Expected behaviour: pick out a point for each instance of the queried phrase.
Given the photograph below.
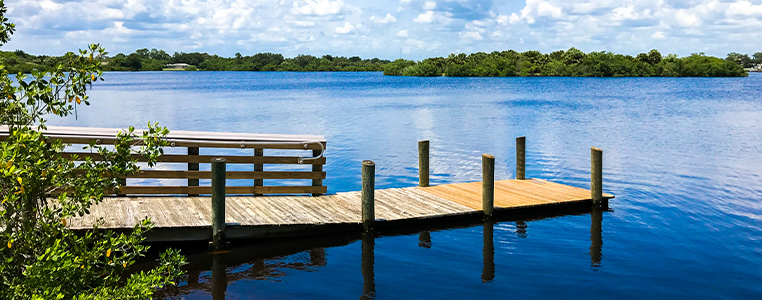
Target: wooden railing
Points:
(194, 141)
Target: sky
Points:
(411, 29)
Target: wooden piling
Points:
(192, 167)
(596, 175)
(423, 163)
(218, 203)
(520, 158)
(488, 184)
(368, 194)
(317, 168)
(259, 168)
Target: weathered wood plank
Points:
(157, 190)
(205, 159)
(270, 216)
(228, 175)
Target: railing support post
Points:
(218, 203)
(423, 163)
(317, 168)
(122, 182)
(192, 167)
(258, 168)
(521, 158)
(368, 195)
(488, 184)
(596, 176)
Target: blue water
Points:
(682, 155)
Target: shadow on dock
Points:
(265, 259)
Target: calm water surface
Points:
(682, 155)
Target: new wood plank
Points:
(512, 193)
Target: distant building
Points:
(177, 66)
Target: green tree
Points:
(41, 257)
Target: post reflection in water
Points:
(596, 240)
(317, 257)
(424, 239)
(219, 277)
(367, 265)
(488, 253)
(521, 229)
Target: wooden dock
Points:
(260, 210)
(248, 217)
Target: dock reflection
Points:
(596, 238)
(488, 252)
(219, 277)
(424, 239)
(273, 259)
(367, 265)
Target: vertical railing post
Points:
(423, 163)
(122, 183)
(521, 158)
(596, 175)
(192, 151)
(258, 168)
(368, 195)
(316, 168)
(218, 203)
(488, 184)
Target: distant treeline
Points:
(572, 62)
(156, 60)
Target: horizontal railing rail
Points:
(194, 141)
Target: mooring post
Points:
(488, 184)
(368, 194)
(218, 203)
(423, 163)
(192, 167)
(317, 168)
(596, 175)
(521, 158)
(258, 168)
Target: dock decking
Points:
(190, 218)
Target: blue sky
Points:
(417, 29)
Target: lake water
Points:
(682, 155)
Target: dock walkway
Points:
(190, 218)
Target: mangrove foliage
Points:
(572, 62)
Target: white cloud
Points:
(304, 23)
(344, 30)
(318, 7)
(426, 17)
(473, 35)
(503, 19)
(50, 5)
(318, 27)
(388, 19)
(744, 8)
(537, 8)
(687, 19)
